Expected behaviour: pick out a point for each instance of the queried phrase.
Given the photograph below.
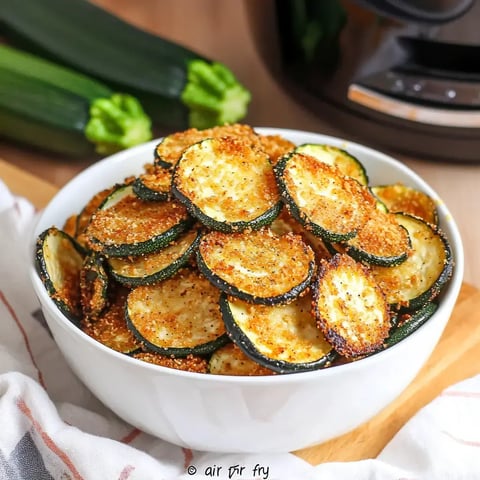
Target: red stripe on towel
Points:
(12, 312)
(48, 441)
(188, 454)
(130, 437)
(126, 472)
(470, 443)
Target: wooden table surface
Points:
(220, 30)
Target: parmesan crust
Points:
(227, 180)
(180, 312)
(350, 308)
(230, 360)
(190, 363)
(143, 268)
(400, 198)
(260, 264)
(282, 332)
(426, 262)
(133, 220)
(171, 147)
(110, 329)
(325, 198)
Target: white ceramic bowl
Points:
(244, 414)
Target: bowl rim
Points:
(449, 296)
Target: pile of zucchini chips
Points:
(238, 253)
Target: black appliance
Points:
(397, 73)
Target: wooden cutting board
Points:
(456, 357)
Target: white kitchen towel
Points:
(51, 427)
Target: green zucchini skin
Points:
(53, 271)
(417, 319)
(161, 274)
(415, 301)
(347, 163)
(153, 244)
(89, 39)
(57, 124)
(145, 193)
(337, 233)
(265, 219)
(94, 286)
(51, 107)
(165, 332)
(238, 336)
(226, 287)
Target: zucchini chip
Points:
(285, 223)
(126, 225)
(153, 185)
(428, 267)
(276, 146)
(346, 163)
(157, 266)
(94, 284)
(70, 225)
(190, 363)
(402, 199)
(110, 328)
(59, 260)
(85, 215)
(381, 241)
(283, 338)
(179, 316)
(350, 308)
(409, 323)
(330, 204)
(230, 360)
(169, 150)
(257, 266)
(227, 185)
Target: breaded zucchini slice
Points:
(58, 261)
(156, 266)
(257, 266)
(398, 197)
(85, 215)
(283, 338)
(190, 363)
(420, 278)
(126, 225)
(410, 322)
(381, 241)
(350, 308)
(346, 163)
(285, 223)
(153, 185)
(94, 286)
(227, 184)
(110, 328)
(326, 202)
(179, 316)
(170, 148)
(276, 146)
(230, 360)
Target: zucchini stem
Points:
(213, 95)
(117, 123)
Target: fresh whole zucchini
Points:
(177, 86)
(51, 107)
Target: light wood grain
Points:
(454, 359)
